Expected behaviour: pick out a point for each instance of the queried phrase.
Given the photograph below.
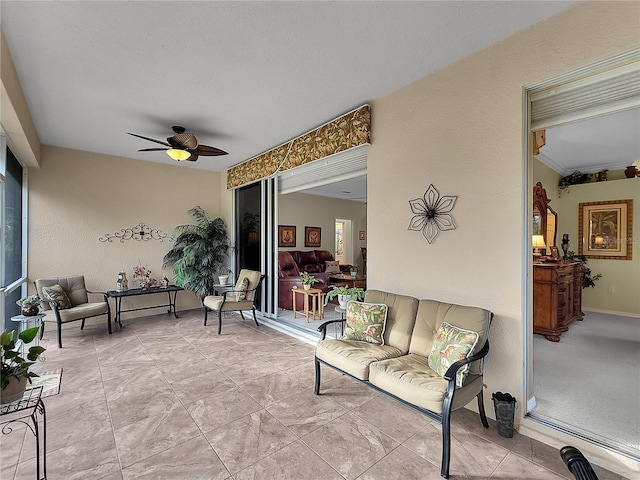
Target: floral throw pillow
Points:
(332, 266)
(366, 322)
(241, 288)
(450, 345)
(57, 293)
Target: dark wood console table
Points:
(348, 280)
(135, 292)
(557, 297)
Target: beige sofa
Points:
(400, 368)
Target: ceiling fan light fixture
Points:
(178, 155)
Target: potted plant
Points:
(199, 254)
(344, 294)
(307, 280)
(15, 368)
(30, 305)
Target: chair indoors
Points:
(65, 299)
(243, 297)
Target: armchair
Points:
(70, 304)
(242, 297)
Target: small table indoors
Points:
(135, 292)
(316, 296)
(28, 322)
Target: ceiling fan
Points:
(182, 146)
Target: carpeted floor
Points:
(590, 380)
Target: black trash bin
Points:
(505, 407)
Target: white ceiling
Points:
(242, 76)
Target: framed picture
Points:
(605, 229)
(286, 235)
(311, 236)
(555, 254)
(361, 235)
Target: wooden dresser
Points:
(557, 297)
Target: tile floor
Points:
(170, 399)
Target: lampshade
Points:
(537, 241)
(178, 154)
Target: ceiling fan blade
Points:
(192, 158)
(153, 149)
(150, 139)
(207, 150)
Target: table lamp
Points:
(537, 241)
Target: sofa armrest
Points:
(323, 327)
(450, 374)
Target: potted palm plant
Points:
(15, 368)
(307, 280)
(200, 253)
(344, 294)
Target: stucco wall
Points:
(461, 129)
(77, 197)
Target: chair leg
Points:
(206, 310)
(41, 330)
(82, 324)
(59, 335)
(254, 318)
(220, 321)
(446, 434)
(483, 416)
(243, 319)
(316, 388)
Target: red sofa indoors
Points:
(292, 263)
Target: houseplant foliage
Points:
(307, 280)
(200, 253)
(344, 291)
(14, 366)
(588, 280)
(30, 305)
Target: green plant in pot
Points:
(344, 294)
(15, 368)
(30, 305)
(200, 253)
(307, 280)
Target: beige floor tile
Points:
(540, 454)
(221, 408)
(470, 421)
(304, 412)
(392, 417)
(515, 466)
(193, 459)
(294, 462)
(274, 387)
(350, 445)
(203, 385)
(403, 464)
(306, 374)
(11, 445)
(249, 439)
(146, 402)
(287, 358)
(153, 435)
(347, 392)
(231, 354)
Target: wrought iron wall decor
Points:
(140, 233)
(431, 213)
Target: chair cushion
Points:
(401, 317)
(85, 310)
(214, 302)
(450, 345)
(352, 356)
(241, 289)
(366, 322)
(57, 293)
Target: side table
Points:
(26, 411)
(28, 322)
(317, 303)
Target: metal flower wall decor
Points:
(431, 213)
(140, 233)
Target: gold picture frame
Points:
(605, 229)
(312, 236)
(286, 236)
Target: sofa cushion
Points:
(57, 293)
(352, 356)
(409, 377)
(432, 313)
(287, 266)
(365, 322)
(450, 345)
(401, 316)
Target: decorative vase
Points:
(223, 279)
(30, 311)
(631, 171)
(14, 391)
(343, 300)
(305, 286)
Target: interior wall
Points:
(76, 198)
(462, 130)
(301, 209)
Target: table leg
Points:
(172, 305)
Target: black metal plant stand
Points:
(26, 411)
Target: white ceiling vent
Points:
(340, 166)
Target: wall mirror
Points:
(545, 219)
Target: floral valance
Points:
(348, 131)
